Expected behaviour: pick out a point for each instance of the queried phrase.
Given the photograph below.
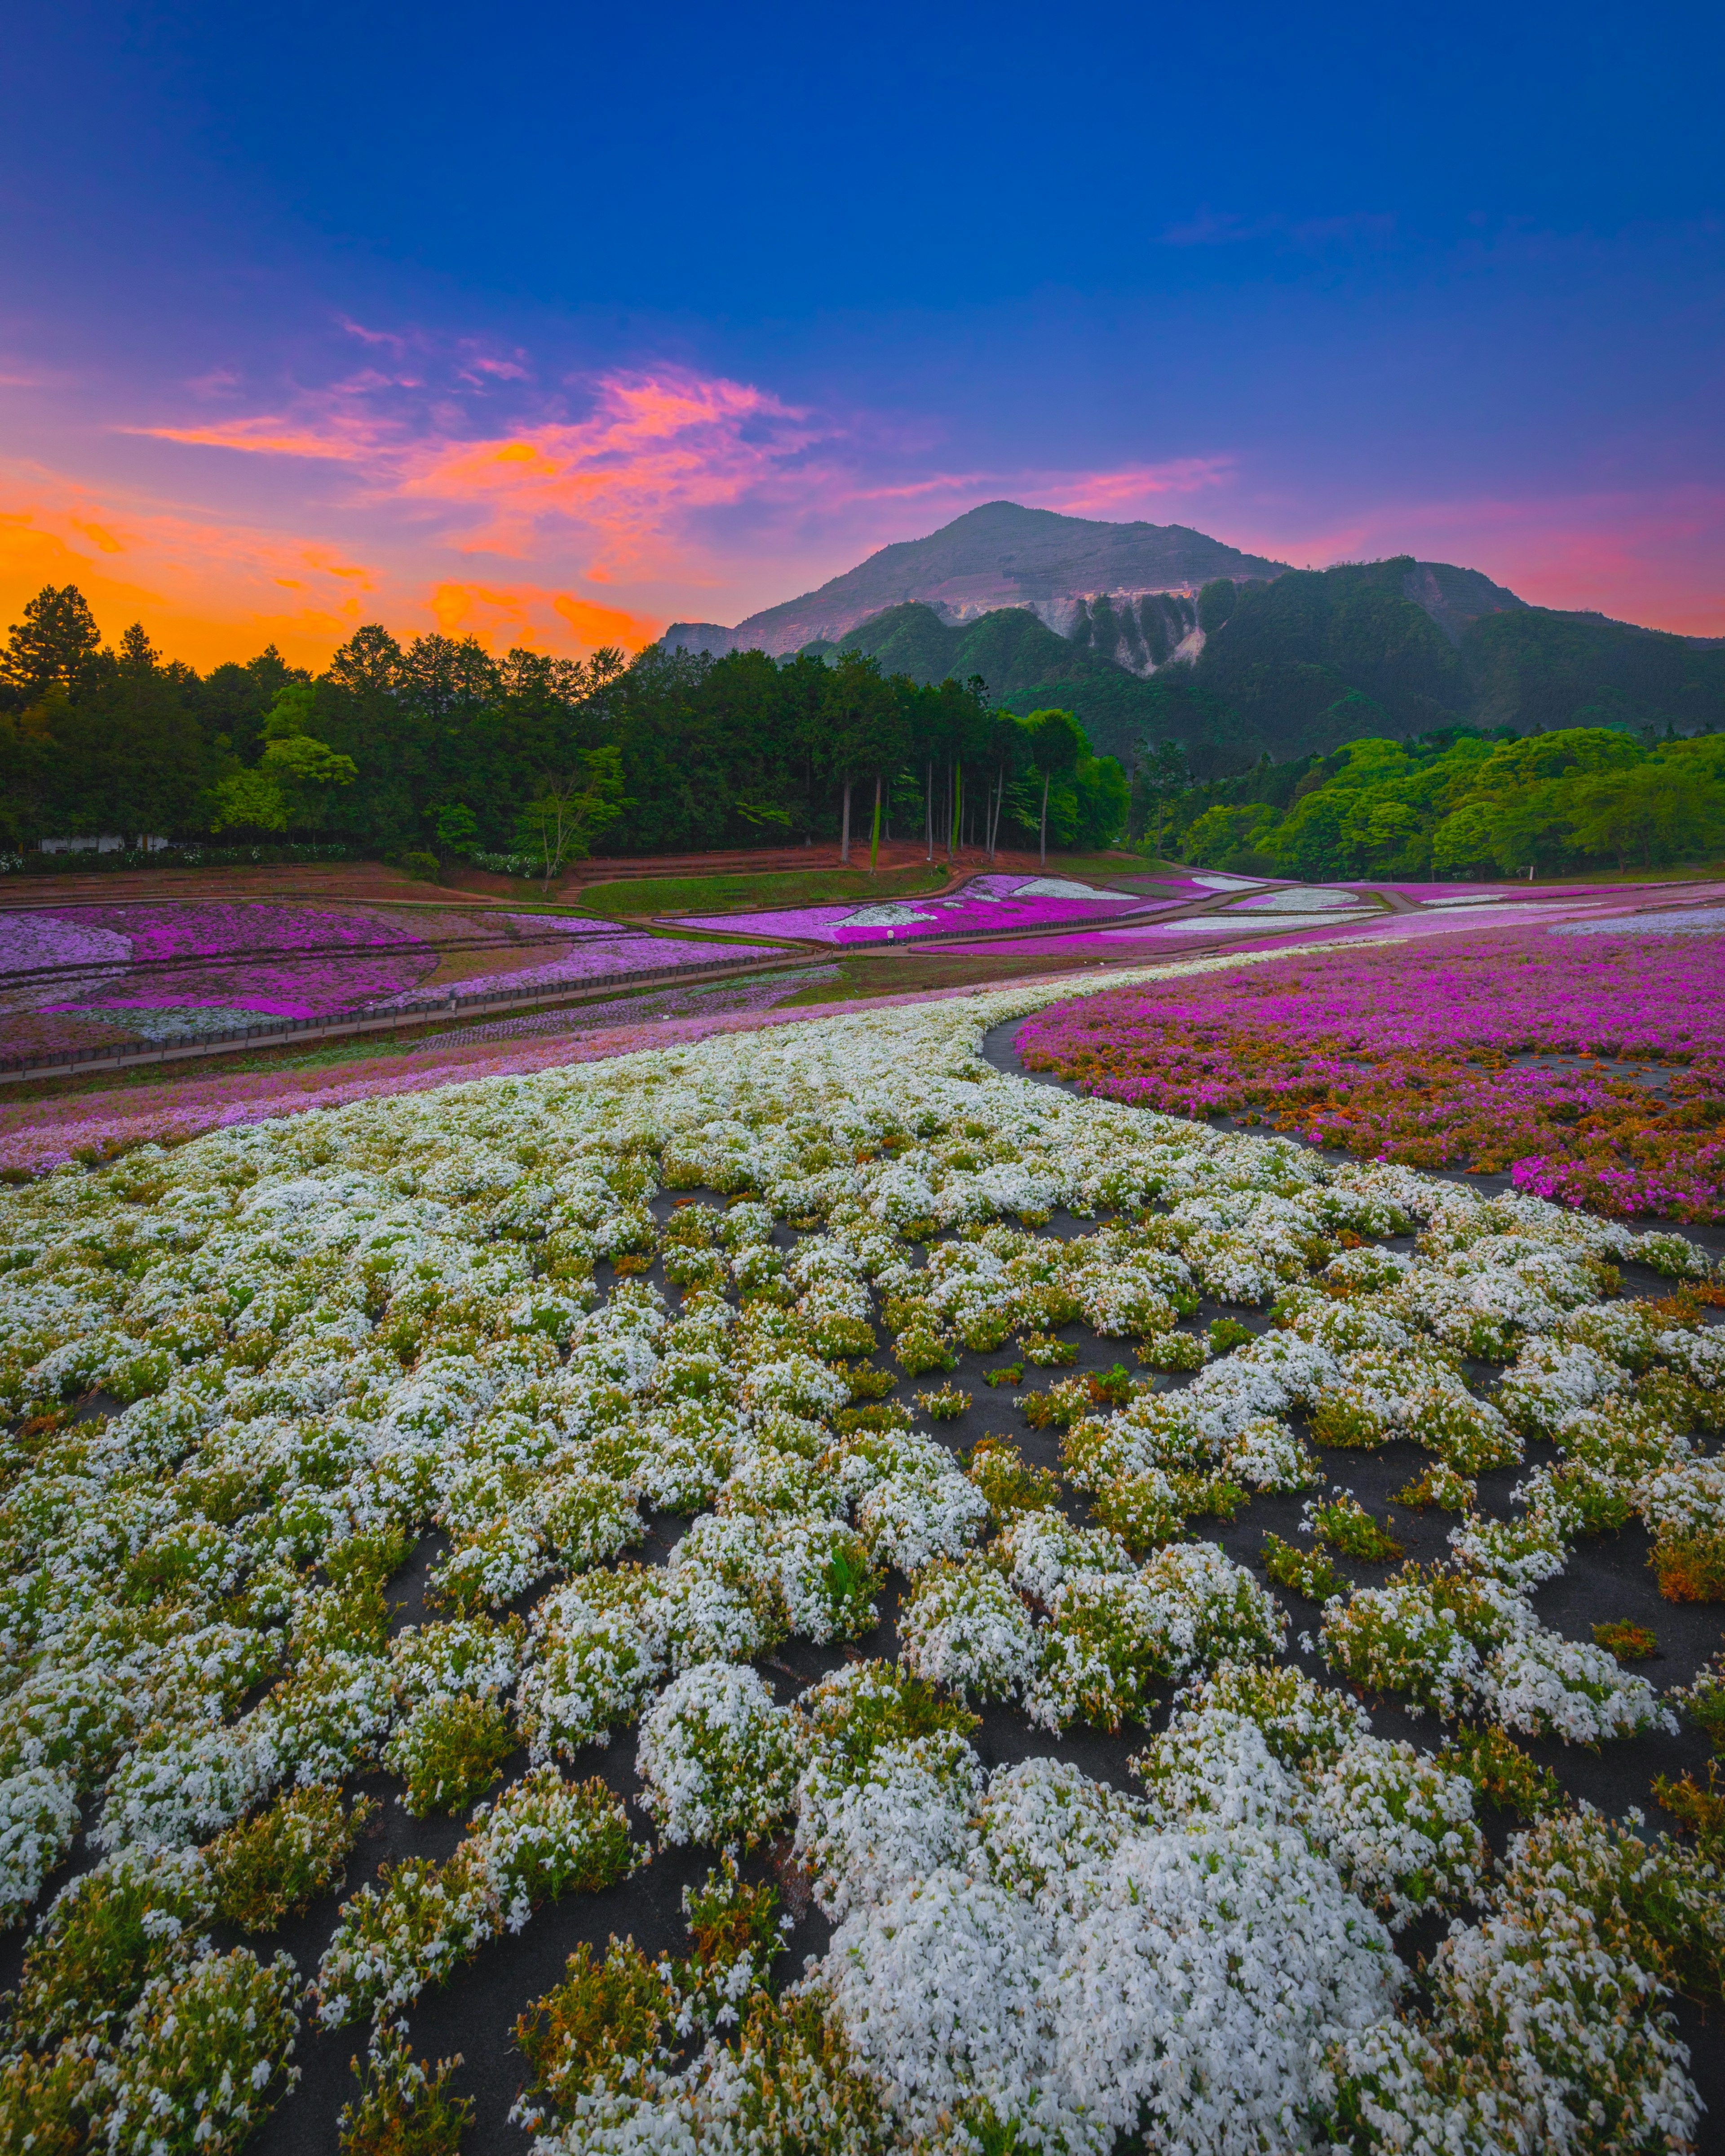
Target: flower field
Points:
(862, 1604)
(83, 975)
(1589, 1061)
(992, 903)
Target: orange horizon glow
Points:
(207, 595)
(564, 535)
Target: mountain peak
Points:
(998, 554)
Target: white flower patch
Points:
(1042, 1549)
(866, 1834)
(182, 1786)
(1550, 1378)
(797, 1383)
(1537, 2027)
(327, 1720)
(1685, 1500)
(467, 1655)
(1398, 1829)
(1266, 1455)
(1522, 1553)
(1213, 1767)
(909, 1518)
(963, 1627)
(941, 1990)
(1049, 1833)
(1196, 2000)
(717, 1757)
(1547, 1686)
(38, 1817)
(592, 1670)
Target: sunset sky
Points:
(558, 324)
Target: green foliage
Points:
(1345, 1525)
(1008, 1481)
(597, 2027)
(1503, 1773)
(107, 1936)
(405, 2108)
(1302, 1571)
(450, 1750)
(273, 1866)
(1457, 803)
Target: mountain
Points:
(1152, 632)
(1001, 555)
(1315, 659)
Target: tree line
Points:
(1453, 802)
(438, 744)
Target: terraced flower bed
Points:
(579, 1492)
(1591, 1066)
(91, 974)
(986, 902)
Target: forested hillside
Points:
(1315, 658)
(438, 744)
(1454, 802)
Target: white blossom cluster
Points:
(245, 1378)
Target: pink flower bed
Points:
(591, 957)
(1409, 1053)
(91, 974)
(268, 960)
(986, 902)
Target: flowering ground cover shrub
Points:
(717, 1757)
(1410, 1055)
(247, 1379)
(166, 971)
(544, 1837)
(986, 902)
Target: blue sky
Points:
(557, 326)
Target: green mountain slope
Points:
(1320, 658)
(1027, 667)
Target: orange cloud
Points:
(526, 615)
(205, 594)
(209, 591)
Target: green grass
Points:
(746, 893)
(864, 973)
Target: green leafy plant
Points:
(1008, 1481)
(1302, 1572)
(1111, 1388)
(1173, 1351)
(275, 1865)
(1046, 1350)
(1701, 1810)
(945, 1405)
(450, 1750)
(1629, 1643)
(1145, 1511)
(921, 1350)
(404, 2106)
(1344, 1524)
(1503, 1773)
(1441, 1486)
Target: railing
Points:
(15, 1070)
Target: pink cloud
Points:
(1647, 554)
